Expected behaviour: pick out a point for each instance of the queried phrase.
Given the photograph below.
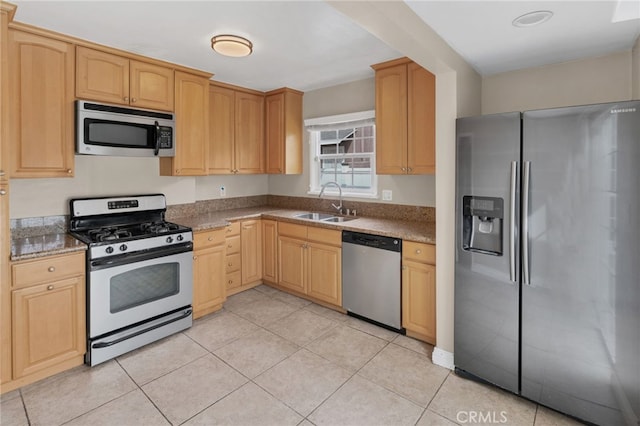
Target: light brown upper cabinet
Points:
(41, 111)
(192, 127)
(283, 116)
(236, 118)
(106, 77)
(405, 118)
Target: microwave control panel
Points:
(166, 137)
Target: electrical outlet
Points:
(387, 195)
(223, 191)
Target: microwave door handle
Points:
(156, 146)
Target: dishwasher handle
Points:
(375, 241)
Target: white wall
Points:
(341, 99)
(103, 176)
(580, 82)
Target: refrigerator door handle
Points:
(525, 223)
(512, 223)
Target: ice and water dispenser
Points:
(482, 223)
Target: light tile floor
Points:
(270, 358)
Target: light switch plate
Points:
(387, 195)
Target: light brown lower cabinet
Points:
(48, 315)
(310, 261)
(419, 291)
(243, 263)
(270, 251)
(209, 275)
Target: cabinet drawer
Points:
(233, 263)
(292, 230)
(234, 280)
(326, 236)
(47, 269)
(233, 229)
(420, 252)
(204, 239)
(233, 244)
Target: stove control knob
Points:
(169, 240)
(123, 247)
(179, 238)
(109, 250)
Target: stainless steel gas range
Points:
(139, 272)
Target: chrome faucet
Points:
(338, 207)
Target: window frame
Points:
(339, 122)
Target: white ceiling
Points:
(307, 45)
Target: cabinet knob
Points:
(230, 281)
(2, 173)
(228, 229)
(134, 100)
(126, 99)
(418, 251)
(230, 246)
(49, 287)
(51, 269)
(69, 171)
(409, 170)
(210, 239)
(195, 257)
(3, 192)
(230, 264)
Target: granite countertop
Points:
(32, 247)
(44, 245)
(423, 232)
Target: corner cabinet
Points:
(208, 272)
(270, 251)
(310, 261)
(283, 122)
(192, 127)
(106, 77)
(48, 314)
(419, 290)
(41, 112)
(405, 118)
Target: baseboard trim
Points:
(442, 358)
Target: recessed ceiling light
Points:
(532, 18)
(231, 45)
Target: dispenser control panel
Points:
(482, 224)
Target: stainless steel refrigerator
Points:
(547, 271)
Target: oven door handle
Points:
(101, 345)
(127, 258)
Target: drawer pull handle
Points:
(3, 192)
(49, 287)
(230, 246)
(418, 251)
(230, 264)
(51, 269)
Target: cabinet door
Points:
(421, 136)
(42, 111)
(208, 280)
(419, 299)
(251, 247)
(222, 130)
(48, 325)
(4, 93)
(391, 120)
(324, 273)
(274, 114)
(152, 86)
(192, 127)
(5, 282)
(270, 251)
(291, 263)
(249, 133)
(102, 76)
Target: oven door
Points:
(138, 287)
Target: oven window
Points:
(117, 134)
(143, 285)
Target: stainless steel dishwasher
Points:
(371, 278)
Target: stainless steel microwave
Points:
(103, 129)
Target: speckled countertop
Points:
(44, 245)
(424, 232)
(47, 245)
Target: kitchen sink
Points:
(314, 216)
(324, 217)
(338, 219)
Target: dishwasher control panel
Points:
(375, 241)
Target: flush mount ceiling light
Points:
(230, 45)
(532, 18)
